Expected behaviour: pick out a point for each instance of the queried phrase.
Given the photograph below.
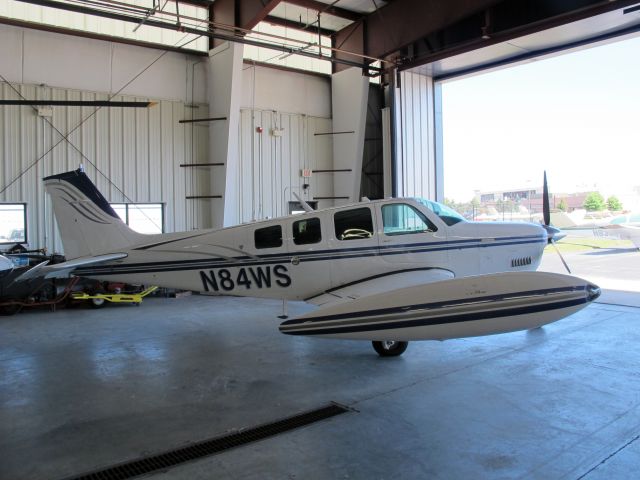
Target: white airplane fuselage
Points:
(388, 271)
(256, 260)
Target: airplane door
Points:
(408, 236)
(306, 235)
(353, 250)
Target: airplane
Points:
(20, 287)
(386, 271)
(626, 227)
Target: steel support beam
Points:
(253, 12)
(224, 11)
(169, 26)
(240, 13)
(78, 103)
(350, 38)
(403, 22)
(198, 3)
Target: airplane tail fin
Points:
(87, 223)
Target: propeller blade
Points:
(560, 254)
(546, 213)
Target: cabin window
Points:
(13, 228)
(402, 219)
(269, 237)
(353, 224)
(446, 214)
(306, 231)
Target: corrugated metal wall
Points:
(415, 148)
(271, 166)
(138, 151)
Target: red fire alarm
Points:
(259, 129)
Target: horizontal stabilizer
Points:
(464, 307)
(63, 269)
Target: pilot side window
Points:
(402, 219)
(306, 231)
(353, 224)
(268, 237)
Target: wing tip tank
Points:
(482, 305)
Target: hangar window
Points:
(353, 224)
(306, 231)
(166, 12)
(268, 237)
(13, 228)
(401, 219)
(142, 217)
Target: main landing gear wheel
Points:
(97, 302)
(390, 348)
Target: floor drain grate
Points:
(212, 446)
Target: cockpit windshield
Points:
(448, 215)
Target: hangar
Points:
(198, 114)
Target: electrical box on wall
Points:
(306, 173)
(277, 132)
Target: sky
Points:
(576, 115)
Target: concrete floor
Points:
(85, 388)
(81, 389)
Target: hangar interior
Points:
(253, 106)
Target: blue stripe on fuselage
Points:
(312, 256)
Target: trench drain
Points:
(212, 446)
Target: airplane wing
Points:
(379, 284)
(450, 308)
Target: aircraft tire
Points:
(390, 348)
(97, 302)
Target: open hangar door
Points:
(497, 36)
(587, 153)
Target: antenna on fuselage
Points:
(305, 206)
